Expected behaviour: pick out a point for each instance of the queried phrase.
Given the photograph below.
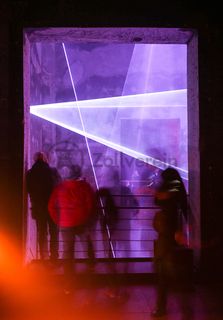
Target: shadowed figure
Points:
(171, 197)
(118, 206)
(40, 181)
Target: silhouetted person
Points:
(72, 207)
(172, 199)
(119, 205)
(41, 179)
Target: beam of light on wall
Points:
(101, 119)
(79, 113)
(99, 115)
(154, 67)
(86, 140)
(137, 155)
(141, 61)
(172, 98)
(139, 70)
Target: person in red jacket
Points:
(72, 207)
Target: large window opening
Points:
(120, 103)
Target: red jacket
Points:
(72, 203)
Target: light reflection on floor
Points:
(43, 297)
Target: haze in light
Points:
(173, 98)
(130, 95)
(128, 101)
(99, 126)
(100, 115)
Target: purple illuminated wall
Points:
(141, 87)
(111, 107)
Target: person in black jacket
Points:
(40, 181)
(171, 198)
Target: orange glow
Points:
(35, 293)
(29, 293)
(10, 261)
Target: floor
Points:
(39, 293)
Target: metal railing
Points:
(129, 236)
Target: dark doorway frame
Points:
(131, 35)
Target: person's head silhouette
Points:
(170, 174)
(75, 171)
(40, 156)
